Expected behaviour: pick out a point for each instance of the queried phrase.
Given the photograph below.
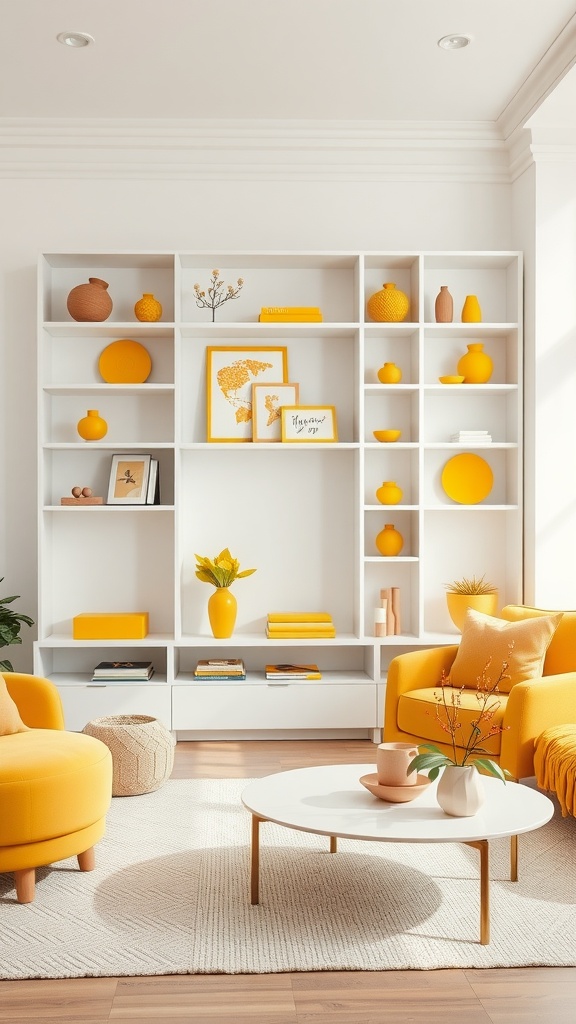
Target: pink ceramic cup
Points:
(392, 760)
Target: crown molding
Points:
(559, 58)
(253, 150)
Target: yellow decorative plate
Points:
(125, 362)
(467, 479)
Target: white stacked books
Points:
(472, 437)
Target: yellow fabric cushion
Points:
(487, 639)
(10, 721)
(417, 716)
(561, 654)
(51, 783)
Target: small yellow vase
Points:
(475, 365)
(222, 608)
(471, 312)
(148, 308)
(92, 427)
(389, 541)
(389, 374)
(389, 493)
(389, 305)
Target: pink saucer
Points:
(395, 794)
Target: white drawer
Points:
(83, 703)
(258, 706)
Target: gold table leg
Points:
(482, 846)
(333, 844)
(255, 860)
(513, 858)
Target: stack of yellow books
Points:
(290, 314)
(300, 626)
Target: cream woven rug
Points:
(170, 895)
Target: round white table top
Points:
(330, 800)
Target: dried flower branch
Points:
(218, 293)
(470, 586)
(482, 728)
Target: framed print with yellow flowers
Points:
(230, 374)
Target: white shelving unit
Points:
(306, 516)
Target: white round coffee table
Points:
(329, 800)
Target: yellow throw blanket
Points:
(555, 765)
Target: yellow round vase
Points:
(388, 305)
(389, 374)
(389, 493)
(389, 541)
(222, 608)
(148, 309)
(92, 427)
(476, 365)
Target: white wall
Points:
(83, 215)
(554, 370)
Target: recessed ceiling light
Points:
(454, 42)
(75, 39)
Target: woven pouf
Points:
(142, 752)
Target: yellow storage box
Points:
(110, 626)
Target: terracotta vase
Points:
(148, 309)
(389, 541)
(389, 374)
(471, 312)
(222, 608)
(389, 493)
(460, 792)
(92, 427)
(475, 365)
(444, 306)
(90, 301)
(388, 305)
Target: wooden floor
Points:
(523, 996)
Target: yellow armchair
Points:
(525, 712)
(55, 786)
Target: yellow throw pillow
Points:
(485, 637)
(10, 720)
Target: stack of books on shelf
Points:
(300, 626)
(123, 672)
(472, 437)
(287, 672)
(387, 621)
(220, 668)
(290, 314)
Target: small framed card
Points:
(267, 402)
(309, 423)
(129, 479)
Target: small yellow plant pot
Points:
(458, 605)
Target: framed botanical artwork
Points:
(267, 402)
(308, 423)
(230, 374)
(129, 479)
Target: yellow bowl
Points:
(387, 435)
(451, 380)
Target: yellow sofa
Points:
(55, 786)
(530, 707)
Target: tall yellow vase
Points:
(471, 312)
(222, 608)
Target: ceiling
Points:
(327, 60)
